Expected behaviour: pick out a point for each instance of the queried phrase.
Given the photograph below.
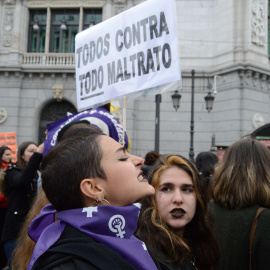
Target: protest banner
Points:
(9, 139)
(133, 51)
(98, 117)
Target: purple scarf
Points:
(110, 225)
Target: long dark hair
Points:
(205, 163)
(198, 239)
(2, 151)
(20, 162)
(242, 178)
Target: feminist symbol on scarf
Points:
(90, 211)
(117, 224)
(144, 246)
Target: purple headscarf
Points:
(99, 117)
(110, 225)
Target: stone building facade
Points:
(223, 38)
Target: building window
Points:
(37, 31)
(64, 27)
(91, 17)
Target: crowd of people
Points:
(90, 204)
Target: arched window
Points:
(53, 112)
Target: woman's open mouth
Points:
(140, 177)
(178, 212)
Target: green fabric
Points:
(233, 230)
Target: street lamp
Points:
(36, 26)
(209, 99)
(191, 149)
(157, 122)
(176, 100)
(63, 25)
(92, 22)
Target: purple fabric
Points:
(106, 119)
(110, 225)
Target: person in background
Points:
(95, 207)
(205, 163)
(5, 155)
(21, 187)
(240, 186)
(149, 159)
(25, 245)
(175, 223)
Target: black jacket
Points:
(21, 190)
(233, 229)
(78, 251)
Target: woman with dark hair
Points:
(5, 163)
(25, 245)
(175, 223)
(5, 158)
(93, 185)
(149, 159)
(241, 186)
(21, 187)
(205, 163)
(5, 155)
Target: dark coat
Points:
(233, 228)
(76, 250)
(170, 266)
(163, 265)
(21, 190)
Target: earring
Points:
(105, 201)
(96, 203)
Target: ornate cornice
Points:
(64, 4)
(254, 79)
(9, 2)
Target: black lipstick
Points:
(178, 212)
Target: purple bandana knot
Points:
(111, 225)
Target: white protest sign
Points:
(130, 52)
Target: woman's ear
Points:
(91, 190)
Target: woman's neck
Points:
(179, 232)
(4, 165)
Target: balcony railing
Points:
(49, 59)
